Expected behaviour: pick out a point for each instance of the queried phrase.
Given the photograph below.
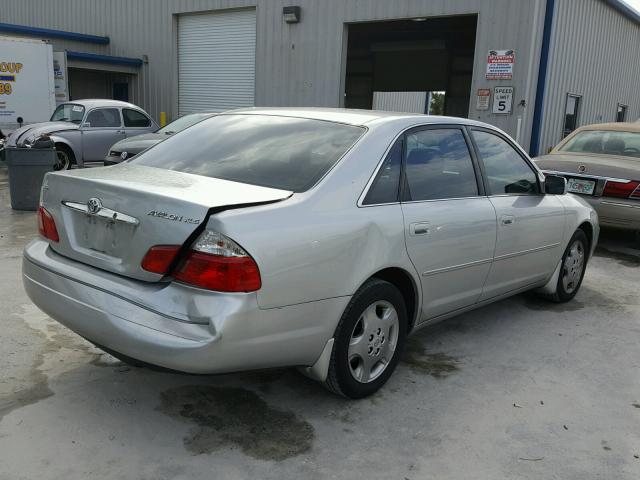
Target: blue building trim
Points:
(94, 57)
(49, 33)
(629, 12)
(534, 146)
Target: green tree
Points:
(436, 107)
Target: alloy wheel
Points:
(373, 341)
(573, 266)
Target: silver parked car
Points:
(602, 164)
(317, 238)
(131, 146)
(84, 130)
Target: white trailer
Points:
(27, 89)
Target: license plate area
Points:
(104, 236)
(581, 186)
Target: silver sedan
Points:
(315, 238)
(84, 130)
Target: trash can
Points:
(27, 167)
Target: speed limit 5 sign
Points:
(502, 100)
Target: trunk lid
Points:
(109, 217)
(591, 165)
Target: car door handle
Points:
(419, 228)
(507, 220)
(119, 131)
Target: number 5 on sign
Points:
(502, 100)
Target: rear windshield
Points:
(604, 142)
(68, 112)
(270, 151)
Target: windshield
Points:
(270, 151)
(182, 123)
(68, 112)
(604, 142)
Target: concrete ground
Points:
(519, 389)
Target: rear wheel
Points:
(574, 262)
(64, 157)
(369, 340)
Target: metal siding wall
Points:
(595, 52)
(296, 65)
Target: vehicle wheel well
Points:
(67, 148)
(588, 231)
(403, 281)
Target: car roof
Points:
(103, 102)
(633, 127)
(354, 116)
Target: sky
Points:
(634, 3)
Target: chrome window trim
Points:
(365, 191)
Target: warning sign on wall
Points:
(482, 102)
(500, 64)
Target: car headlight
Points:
(29, 141)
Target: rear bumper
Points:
(173, 325)
(616, 213)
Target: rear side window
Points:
(104, 117)
(505, 168)
(267, 150)
(438, 165)
(386, 185)
(133, 118)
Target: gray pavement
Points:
(521, 389)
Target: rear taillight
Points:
(621, 189)
(159, 258)
(214, 262)
(47, 226)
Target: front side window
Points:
(134, 118)
(602, 142)
(267, 150)
(438, 165)
(504, 167)
(385, 188)
(104, 118)
(68, 112)
(572, 109)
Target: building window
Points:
(621, 116)
(571, 113)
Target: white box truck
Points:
(27, 89)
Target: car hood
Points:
(36, 129)
(135, 145)
(591, 164)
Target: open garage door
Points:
(411, 65)
(216, 61)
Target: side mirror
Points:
(555, 185)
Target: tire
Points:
(65, 157)
(574, 265)
(369, 318)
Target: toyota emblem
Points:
(582, 169)
(94, 205)
(123, 155)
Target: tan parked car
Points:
(602, 164)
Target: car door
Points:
(530, 223)
(450, 226)
(136, 122)
(101, 129)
